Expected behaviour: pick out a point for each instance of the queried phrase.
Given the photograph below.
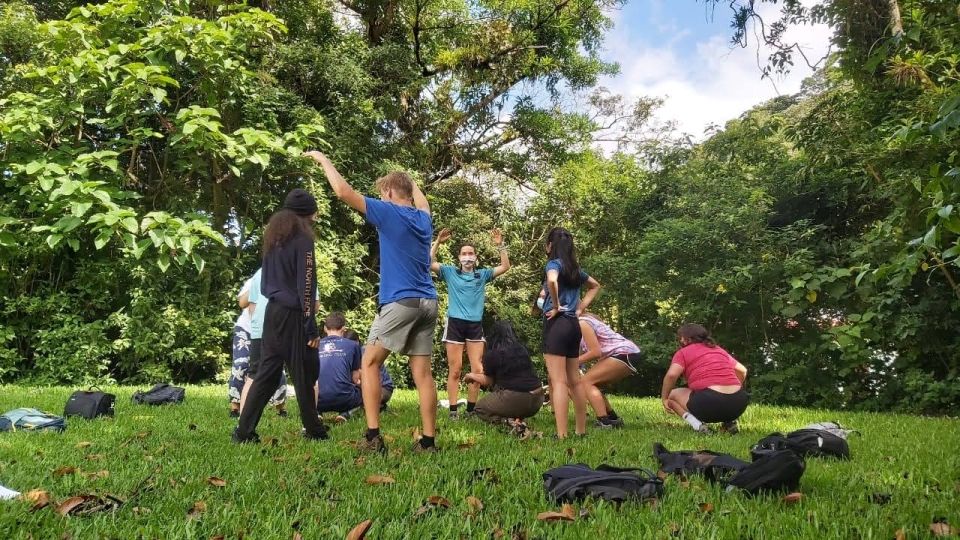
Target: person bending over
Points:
(338, 385)
(466, 287)
(615, 356)
(715, 380)
(561, 333)
(516, 390)
(407, 314)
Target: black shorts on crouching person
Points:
(460, 331)
(561, 336)
(712, 406)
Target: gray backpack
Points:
(26, 419)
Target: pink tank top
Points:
(705, 366)
(611, 343)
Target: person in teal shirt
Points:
(466, 293)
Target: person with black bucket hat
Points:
(289, 281)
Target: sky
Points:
(679, 51)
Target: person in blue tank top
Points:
(466, 291)
(561, 331)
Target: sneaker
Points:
(418, 448)
(704, 430)
(730, 427)
(322, 436)
(617, 422)
(252, 438)
(454, 415)
(375, 446)
(607, 424)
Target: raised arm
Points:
(341, 188)
(504, 265)
(441, 238)
(593, 351)
(593, 287)
(419, 200)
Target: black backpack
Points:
(89, 404)
(777, 471)
(805, 442)
(159, 395)
(693, 462)
(574, 482)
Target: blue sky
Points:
(676, 50)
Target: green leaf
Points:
(34, 166)
(944, 212)
(102, 240)
(78, 209)
(812, 296)
(46, 183)
(163, 261)
(179, 55)
(198, 262)
(186, 242)
(74, 244)
(930, 239)
(131, 225)
(189, 127)
(53, 240)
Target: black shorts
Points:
(561, 336)
(254, 363)
(629, 359)
(712, 406)
(461, 331)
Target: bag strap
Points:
(610, 468)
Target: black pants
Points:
(284, 340)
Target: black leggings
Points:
(712, 406)
(284, 340)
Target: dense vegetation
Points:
(143, 143)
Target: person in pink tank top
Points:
(714, 391)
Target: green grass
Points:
(289, 483)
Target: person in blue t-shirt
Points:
(561, 330)
(407, 314)
(466, 291)
(338, 385)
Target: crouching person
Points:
(338, 385)
(517, 392)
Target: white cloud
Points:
(716, 83)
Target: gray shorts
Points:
(406, 326)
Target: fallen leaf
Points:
(218, 537)
(139, 510)
(706, 507)
(437, 500)
(143, 434)
(880, 498)
(63, 471)
(899, 535)
(360, 531)
(94, 504)
(360, 461)
(466, 445)
(94, 457)
(196, 510)
(568, 510)
(217, 482)
(389, 439)
(498, 533)
(475, 504)
(942, 528)
(70, 504)
(39, 498)
(84, 444)
(553, 516)
(99, 474)
(661, 474)
(378, 479)
(793, 498)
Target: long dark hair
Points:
(283, 225)
(503, 338)
(695, 333)
(561, 247)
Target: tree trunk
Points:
(896, 22)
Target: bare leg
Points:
(373, 357)
(559, 391)
(603, 372)
(426, 389)
(579, 396)
(475, 355)
(247, 383)
(678, 400)
(455, 367)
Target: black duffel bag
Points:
(160, 394)
(89, 404)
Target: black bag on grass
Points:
(693, 462)
(777, 471)
(159, 395)
(89, 404)
(805, 442)
(574, 482)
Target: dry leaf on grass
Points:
(941, 528)
(39, 498)
(475, 504)
(99, 474)
(63, 471)
(217, 482)
(553, 516)
(793, 498)
(218, 537)
(84, 444)
(70, 504)
(94, 457)
(661, 474)
(197, 510)
(360, 531)
(434, 501)
(899, 535)
(379, 479)
(706, 507)
(82, 505)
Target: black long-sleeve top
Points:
(511, 369)
(289, 278)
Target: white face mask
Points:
(540, 303)
(468, 260)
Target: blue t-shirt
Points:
(405, 235)
(466, 291)
(255, 296)
(339, 357)
(569, 296)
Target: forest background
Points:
(144, 143)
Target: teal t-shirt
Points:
(256, 297)
(466, 291)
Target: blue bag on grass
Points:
(25, 419)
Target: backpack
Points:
(31, 420)
(778, 471)
(703, 462)
(570, 483)
(805, 442)
(159, 395)
(89, 404)
(832, 427)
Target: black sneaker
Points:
(373, 446)
(252, 438)
(704, 430)
(608, 423)
(321, 436)
(419, 448)
(730, 427)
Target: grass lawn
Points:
(159, 460)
